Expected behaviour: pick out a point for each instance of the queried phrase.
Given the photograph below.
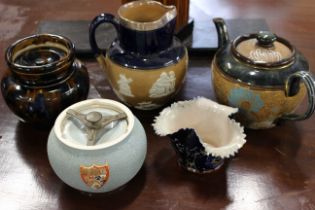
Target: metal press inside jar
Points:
(74, 136)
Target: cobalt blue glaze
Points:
(191, 153)
(248, 74)
(102, 18)
(134, 41)
(147, 42)
(170, 56)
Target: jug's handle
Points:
(102, 18)
(290, 90)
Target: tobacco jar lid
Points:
(40, 54)
(263, 49)
(94, 124)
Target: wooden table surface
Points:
(274, 170)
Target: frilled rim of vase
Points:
(37, 41)
(165, 124)
(169, 14)
(86, 105)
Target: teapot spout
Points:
(223, 36)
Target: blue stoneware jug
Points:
(146, 64)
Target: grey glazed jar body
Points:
(103, 167)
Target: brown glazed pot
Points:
(43, 78)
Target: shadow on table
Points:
(120, 198)
(31, 143)
(277, 149)
(209, 187)
(272, 156)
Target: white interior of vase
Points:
(210, 121)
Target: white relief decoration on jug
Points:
(147, 105)
(119, 95)
(163, 86)
(265, 55)
(124, 85)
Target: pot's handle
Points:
(102, 18)
(291, 87)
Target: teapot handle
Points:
(102, 18)
(291, 89)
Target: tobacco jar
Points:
(96, 145)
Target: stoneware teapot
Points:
(146, 65)
(263, 75)
(96, 145)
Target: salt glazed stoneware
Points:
(201, 133)
(146, 65)
(96, 145)
(43, 78)
(263, 75)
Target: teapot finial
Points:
(223, 36)
(266, 39)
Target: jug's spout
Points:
(223, 36)
(143, 27)
(144, 15)
(169, 10)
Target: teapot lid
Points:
(94, 124)
(263, 49)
